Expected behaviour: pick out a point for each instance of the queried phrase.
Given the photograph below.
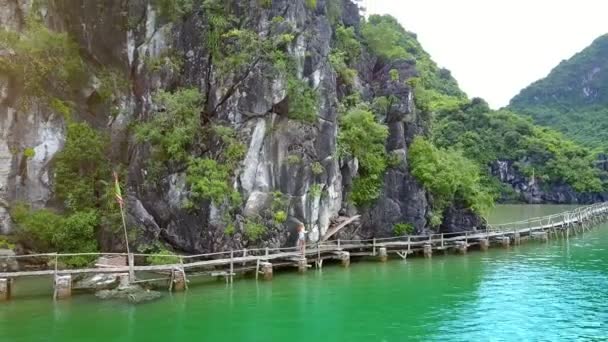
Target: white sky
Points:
(494, 48)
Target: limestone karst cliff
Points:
(228, 122)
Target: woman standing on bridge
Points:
(302, 239)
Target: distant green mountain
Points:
(573, 98)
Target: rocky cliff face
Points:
(128, 35)
(533, 190)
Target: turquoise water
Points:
(535, 292)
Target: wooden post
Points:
(374, 247)
(179, 280)
(344, 258)
(319, 263)
(484, 244)
(427, 250)
(266, 269)
(516, 238)
(409, 244)
(56, 263)
(131, 261)
(461, 246)
(466, 238)
(231, 266)
(442, 240)
(382, 254)
(63, 287)
(338, 243)
(302, 265)
(5, 289)
(266, 253)
(257, 269)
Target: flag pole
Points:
(120, 201)
(124, 228)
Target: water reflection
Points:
(554, 291)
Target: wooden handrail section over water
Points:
(227, 263)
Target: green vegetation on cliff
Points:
(83, 183)
(573, 98)
(435, 87)
(449, 176)
(47, 64)
(176, 138)
(446, 173)
(486, 136)
(361, 137)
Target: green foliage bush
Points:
(83, 182)
(265, 3)
(48, 63)
(394, 74)
(29, 153)
(6, 244)
(435, 88)
(280, 202)
(315, 190)
(170, 61)
(361, 137)
(44, 230)
(163, 257)
(175, 129)
(294, 159)
(449, 176)
(337, 60)
(173, 10)
(280, 217)
(346, 41)
(403, 229)
(302, 100)
(254, 230)
(111, 83)
(312, 4)
(81, 167)
(317, 168)
(174, 126)
(210, 180)
(230, 229)
(346, 52)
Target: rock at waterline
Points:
(134, 294)
(98, 282)
(7, 261)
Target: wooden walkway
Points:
(261, 261)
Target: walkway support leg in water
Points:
(63, 286)
(541, 236)
(266, 269)
(123, 280)
(461, 246)
(516, 239)
(484, 244)
(382, 254)
(344, 259)
(427, 250)
(505, 241)
(5, 289)
(302, 265)
(178, 277)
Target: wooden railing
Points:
(50, 263)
